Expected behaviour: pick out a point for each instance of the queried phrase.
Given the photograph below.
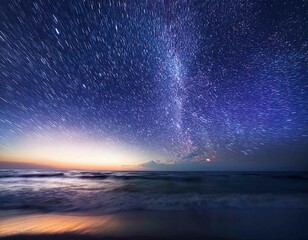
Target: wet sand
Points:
(87, 237)
(214, 224)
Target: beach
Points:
(216, 224)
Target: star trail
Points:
(184, 82)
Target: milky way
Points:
(193, 80)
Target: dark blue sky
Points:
(191, 80)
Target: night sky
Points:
(193, 85)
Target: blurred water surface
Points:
(109, 192)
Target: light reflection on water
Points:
(56, 224)
(215, 224)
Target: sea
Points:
(105, 192)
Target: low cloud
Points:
(176, 166)
(154, 164)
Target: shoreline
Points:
(87, 237)
(227, 223)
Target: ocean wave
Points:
(36, 175)
(163, 178)
(94, 177)
(117, 202)
(152, 176)
(102, 175)
(125, 191)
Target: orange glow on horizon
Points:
(38, 164)
(56, 151)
